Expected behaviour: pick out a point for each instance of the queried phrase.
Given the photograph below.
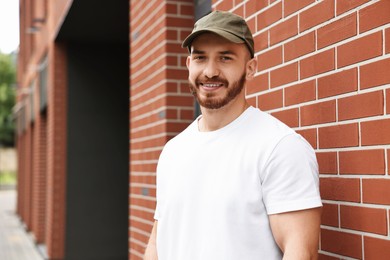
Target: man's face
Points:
(217, 70)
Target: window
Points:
(43, 84)
(31, 101)
(202, 7)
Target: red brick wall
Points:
(39, 177)
(56, 150)
(29, 149)
(160, 104)
(41, 145)
(19, 200)
(324, 69)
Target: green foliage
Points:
(7, 99)
(8, 177)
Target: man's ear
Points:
(188, 61)
(251, 67)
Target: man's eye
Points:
(226, 58)
(199, 58)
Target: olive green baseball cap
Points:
(228, 25)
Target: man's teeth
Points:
(212, 85)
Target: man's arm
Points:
(297, 233)
(151, 250)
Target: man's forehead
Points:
(209, 40)
(207, 37)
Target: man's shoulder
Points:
(262, 123)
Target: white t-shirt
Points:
(216, 189)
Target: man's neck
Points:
(214, 119)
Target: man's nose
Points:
(211, 70)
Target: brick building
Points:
(103, 86)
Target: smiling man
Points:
(237, 183)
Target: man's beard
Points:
(211, 102)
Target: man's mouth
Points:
(211, 85)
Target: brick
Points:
(338, 136)
(317, 14)
(362, 105)
(252, 101)
(176, 127)
(186, 10)
(346, 5)
(317, 64)
(310, 135)
(376, 248)
(171, 8)
(376, 191)
(183, 88)
(178, 22)
(388, 101)
(340, 189)
(361, 219)
(361, 49)
(338, 83)
(339, 30)
(319, 113)
(290, 117)
(252, 24)
(284, 75)
(299, 47)
(269, 16)
(175, 48)
(374, 15)
(258, 84)
(180, 101)
(326, 257)
(327, 162)
(362, 162)
(186, 114)
(330, 215)
(341, 243)
(270, 58)
(387, 41)
(388, 161)
(292, 6)
(239, 11)
(224, 6)
(375, 74)
(261, 41)
(171, 61)
(375, 132)
(271, 100)
(172, 35)
(253, 6)
(284, 30)
(300, 93)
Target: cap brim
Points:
(228, 36)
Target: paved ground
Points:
(15, 243)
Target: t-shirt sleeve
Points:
(157, 211)
(291, 181)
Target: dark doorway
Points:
(96, 36)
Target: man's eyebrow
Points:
(194, 51)
(227, 53)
